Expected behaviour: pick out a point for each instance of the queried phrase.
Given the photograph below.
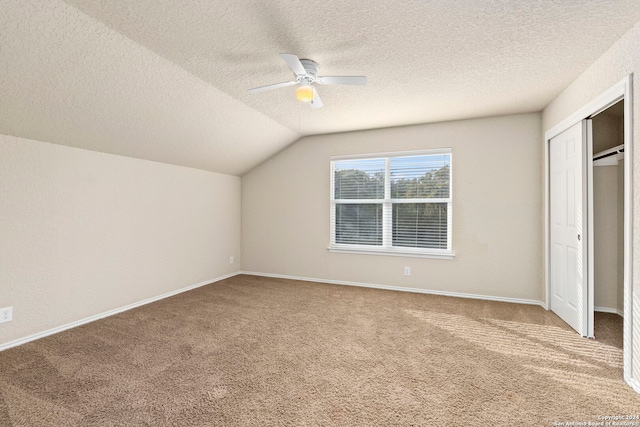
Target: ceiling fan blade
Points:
(342, 80)
(316, 102)
(294, 63)
(273, 86)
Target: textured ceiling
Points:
(167, 80)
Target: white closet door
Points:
(568, 257)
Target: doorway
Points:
(582, 274)
(607, 212)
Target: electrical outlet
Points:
(6, 314)
(230, 260)
(407, 271)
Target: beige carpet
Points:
(251, 351)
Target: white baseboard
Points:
(89, 319)
(608, 310)
(399, 288)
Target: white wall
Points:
(497, 209)
(83, 232)
(622, 59)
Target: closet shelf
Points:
(609, 157)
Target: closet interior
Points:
(608, 209)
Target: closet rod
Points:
(610, 152)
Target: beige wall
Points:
(605, 228)
(497, 213)
(608, 128)
(608, 202)
(622, 59)
(84, 232)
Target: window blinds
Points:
(357, 180)
(395, 201)
(417, 222)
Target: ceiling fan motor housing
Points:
(311, 67)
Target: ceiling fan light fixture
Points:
(305, 73)
(304, 93)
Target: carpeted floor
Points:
(252, 351)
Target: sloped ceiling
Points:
(167, 80)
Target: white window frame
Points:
(387, 204)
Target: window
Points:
(396, 204)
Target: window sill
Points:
(391, 252)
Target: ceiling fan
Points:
(305, 72)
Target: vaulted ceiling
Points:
(167, 80)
